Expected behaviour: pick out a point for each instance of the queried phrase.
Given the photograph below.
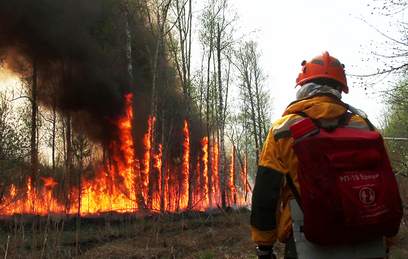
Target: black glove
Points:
(266, 252)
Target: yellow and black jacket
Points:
(270, 216)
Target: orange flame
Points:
(215, 192)
(49, 181)
(146, 160)
(158, 165)
(233, 191)
(186, 168)
(104, 193)
(118, 186)
(206, 200)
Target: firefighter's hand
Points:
(266, 252)
(390, 241)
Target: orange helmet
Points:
(323, 66)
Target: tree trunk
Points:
(184, 23)
(54, 133)
(68, 158)
(163, 166)
(161, 20)
(78, 218)
(34, 151)
(34, 110)
(208, 128)
(222, 173)
(139, 197)
(128, 47)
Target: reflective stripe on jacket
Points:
(270, 216)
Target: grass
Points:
(400, 251)
(187, 235)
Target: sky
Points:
(296, 30)
(289, 32)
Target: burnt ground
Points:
(184, 235)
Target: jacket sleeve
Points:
(266, 195)
(264, 205)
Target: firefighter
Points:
(322, 81)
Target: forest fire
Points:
(126, 183)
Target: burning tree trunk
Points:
(165, 148)
(209, 166)
(138, 182)
(34, 151)
(34, 110)
(66, 72)
(162, 11)
(232, 190)
(163, 166)
(182, 57)
(208, 125)
(186, 168)
(81, 151)
(205, 183)
(68, 160)
(245, 177)
(158, 30)
(221, 120)
(54, 131)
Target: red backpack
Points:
(349, 193)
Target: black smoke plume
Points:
(61, 38)
(79, 47)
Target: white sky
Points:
(296, 30)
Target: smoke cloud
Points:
(58, 35)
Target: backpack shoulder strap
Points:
(304, 115)
(294, 190)
(370, 125)
(362, 114)
(344, 119)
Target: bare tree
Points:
(181, 51)
(255, 98)
(389, 55)
(14, 144)
(216, 36)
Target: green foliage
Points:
(396, 125)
